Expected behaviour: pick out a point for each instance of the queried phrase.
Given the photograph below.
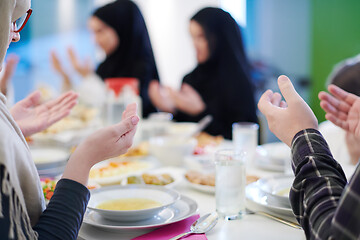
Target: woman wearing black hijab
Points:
(220, 85)
(120, 31)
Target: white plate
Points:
(259, 198)
(273, 156)
(166, 197)
(201, 188)
(277, 188)
(181, 209)
(47, 158)
(176, 173)
(116, 179)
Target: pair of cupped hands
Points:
(287, 118)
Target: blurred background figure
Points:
(119, 30)
(220, 85)
(344, 145)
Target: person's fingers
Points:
(276, 99)
(288, 90)
(341, 94)
(126, 125)
(264, 104)
(62, 100)
(337, 104)
(63, 106)
(329, 108)
(32, 100)
(129, 111)
(283, 104)
(338, 122)
(56, 116)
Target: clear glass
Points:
(230, 183)
(245, 138)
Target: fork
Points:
(286, 222)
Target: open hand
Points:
(188, 100)
(33, 117)
(105, 143)
(342, 108)
(160, 97)
(285, 119)
(84, 69)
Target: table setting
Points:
(172, 183)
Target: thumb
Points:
(287, 89)
(127, 125)
(31, 100)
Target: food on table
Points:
(140, 150)
(209, 179)
(154, 179)
(128, 204)
(204, 139)
(48, 186)
(116, 168)
(200, 178)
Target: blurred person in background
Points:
(23, 214)
(220, 85)
(323, 202)
(120, 31)
(343, 144)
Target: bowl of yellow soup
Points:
(132, 202)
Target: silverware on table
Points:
(202, 225)
(284, 221)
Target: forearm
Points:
(63, 216)
(78, 166)
(318, 186)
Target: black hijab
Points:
(134, 56)
(223, 81)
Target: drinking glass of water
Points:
(230, 183)
(245, 138)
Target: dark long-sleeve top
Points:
(323, 202)
(227, 99)
(60, 220)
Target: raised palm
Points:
(342, 108)
(33, 117)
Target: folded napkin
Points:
(172, 230)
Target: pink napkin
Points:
(172, 230)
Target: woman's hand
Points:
(33, 117)
(342, 108)
(84, 69)
(10, 66)
(352, 144)
(55, 61)
(188, 100)
(160, 97)
(285, 119)
(105, 143)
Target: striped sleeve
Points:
(322, 201)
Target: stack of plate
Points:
(172, 208)
(273, 157)
(50, 162)
(271, 194)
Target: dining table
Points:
(250, 226)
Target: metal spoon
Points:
(202, 225)
(202, 124)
